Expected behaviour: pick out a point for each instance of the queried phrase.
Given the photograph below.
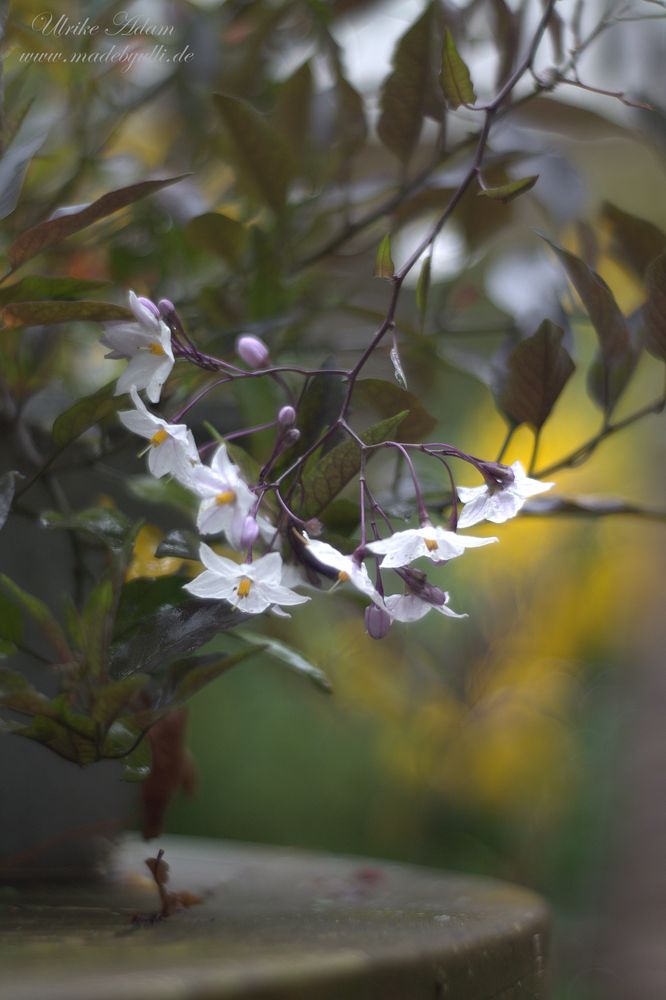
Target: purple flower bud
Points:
(252, 351)
(287, 416)
(496, 475)
(149, 305)
(249, 531)
(377, 621)
(292, 436)
(166, 307)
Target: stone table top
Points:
(273, 924)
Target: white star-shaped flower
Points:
(498, 504)
(172, 450)
(226, 499)
(410, 608)
(251, 587)
(147, 344)
(348, 570)
(436, 544)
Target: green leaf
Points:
(105, 524)
(109, 700)
(179, 545)
(35, 288)
(423, 288)
(186, 677)
(261, 153)
(285, 654)
(6, 648)
(62, 737)
(219, 235)
(507, 192)
(617, 355)
(385, 399)
(17, 694)
(47, 234)
(11, 623)
(20, 314)
(171, 634)
(635, 242)
(38, 612)
(293, 110)
(139, 599)
(95, 624)
(7, 488)
(530, 379)
(455, 78)
(384, 267)
(325, 477)
(405, 90)
(85, 413)
(654, 311)
(351, 123)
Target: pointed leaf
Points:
(20, 314)
(109, 700)
(95, 627)
(385, 398)
(324, 478)
(384, 267)
(423, 288)
(85, 413)
(529, 381)
(139, 599)
(17, 694)
(39, 613)
(634, 241)
(455, 78)
(405, 90)
(46, 234)
(171, 634)
(351, 126)
(616, 352)
(288, 656)
(262, 154)
(186, 677)
(105, 524)
(654, 311)
(507, 192)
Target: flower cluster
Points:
(280, 552)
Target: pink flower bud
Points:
(166, 307)
(252, 351)
(249, 531)
(287, 416)
(377, 621)
(149, 305)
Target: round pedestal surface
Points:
(274, 924)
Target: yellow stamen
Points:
(226, 496)
(159, 437)
(244, 586)
(156, 349)
(431, 544)
(343, 576)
